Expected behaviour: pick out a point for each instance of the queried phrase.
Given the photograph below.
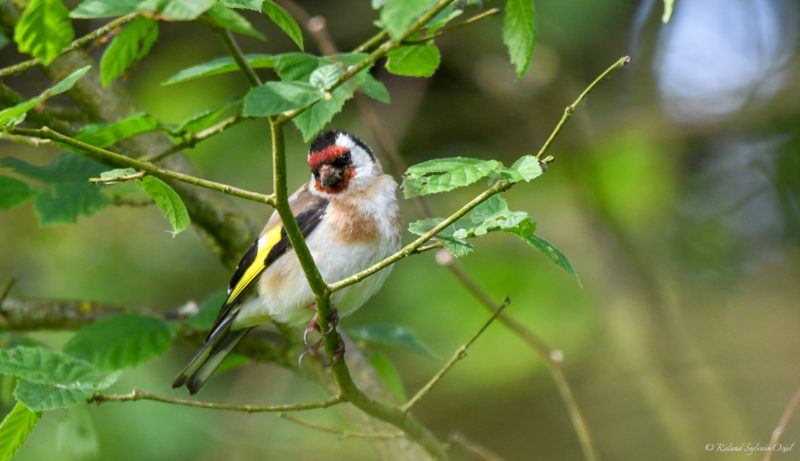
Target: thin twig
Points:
(137, 394)
(776, 434)
(445, 30)
(459, 354)
(236, 53)
(571, 108)
(25, 65)
(124, 177)
(6, 289)
(109, 157)
(28, 141)
(473, 447)
(340, 432)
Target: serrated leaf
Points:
(326, 76)
(246, 4)
(14, 114)
(387, 371)
(441, 175)
(398, 15)
(526, 168)
(298, 66)
(519, 33)
(204, 119)
(234, 21)
(220, 66)
(14, 192)
(441, 18)
(176, 10)
(51, 379)
(76, 436)
(283, 20)
(128, 47)
(65, 168)
(168, 201)
(390, 335)
(273, 98)
(414, 60)
(44, 29)
(106, 134)
(555, 255)
(458, 247)
(208, 311)
(14, 429)
(317, 116)
(375, 89)
(104, 8)
(120, 341)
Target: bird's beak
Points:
(330, 176)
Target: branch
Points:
(97, 33)
(342, 433)
(136, 394)
(571, 108)
(472, 447)
(459, 354)
(108, 157)
(776, 434)
(236, 53)
(445, 30)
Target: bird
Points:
(350, 219)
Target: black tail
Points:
(218, 345)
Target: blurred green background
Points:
(675, 193)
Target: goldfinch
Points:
(350, 219)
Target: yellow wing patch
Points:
(265, 244)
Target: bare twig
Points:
(137, 394)
(459, 354)
(473, 447)
(340, 432)
(778, 431)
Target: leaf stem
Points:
(137, 394)
(571, 108)
(459, 354)
(113, 158)
(25, 65)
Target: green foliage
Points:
(283, 20)
(246, 4)
(51, 379)
(273, 98)
(414, 60)
(220, 65)
(128, 47)
(390, 335)
(170, 10)
(104, 8)
(519, 33)
(15, 114)
(116, 173)
(232, 20)
(168, 201)
(387, 371)
(14, 430)
(44, 30)
(398, 15)
(67, 192)
(441, 18)
(14, 192)
(106, 134)
(444, 174)
(121, 341)
(326, 76)
(204, 119)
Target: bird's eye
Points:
(346, 157)
(342, 161)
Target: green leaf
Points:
(669, 5)
(441, 175)
(298, 66)
(104, 8)
(519, 33)
(176, 10)
(398, 15)
(526, 168)
(220, 66)
(168, 201)
(246, 4)
(68, 192)
(273, 98)
(205, 119)
(458, 247)
(283, 20)
(120, 341)
(116, 173)
(441, 18)
(383, 366)
(555, 255)
(12, 115)
(44, 29)
(375, 89)
(208, 311)
(414, 60)
(51, 379)
(14, 429)
(14, 192)
(234, 21)
(390, 335)
(317, 116)
(127, 48)
(326, 76)
(106, 134)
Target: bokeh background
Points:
(675, 193)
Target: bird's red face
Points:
(332, 168)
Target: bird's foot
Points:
(313, 349)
